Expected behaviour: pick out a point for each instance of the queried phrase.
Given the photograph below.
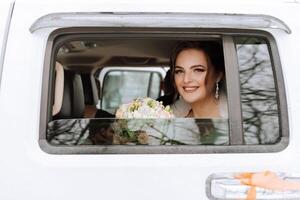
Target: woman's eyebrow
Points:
(194, 66)
(191, 67)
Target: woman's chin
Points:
(190, 100)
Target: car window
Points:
(253, 81)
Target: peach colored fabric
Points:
(268, 180)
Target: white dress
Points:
(181, 108)
(187, 131)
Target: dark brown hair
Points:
(212, 49)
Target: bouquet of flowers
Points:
(128, 131)
(144, 108)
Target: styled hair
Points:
(213, 53)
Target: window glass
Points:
(121, 87)
(258, 92)
(154, 85)
(184, 131)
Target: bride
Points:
(197, 73)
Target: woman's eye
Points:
(199, 70)
(178, 71)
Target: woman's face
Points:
(194, 78)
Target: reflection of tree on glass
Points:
(258, 94)
(67, 131)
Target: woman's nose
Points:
(187, 77)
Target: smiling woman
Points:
(197, 72)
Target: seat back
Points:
(90, 89)
(90, 95)
(73, 97)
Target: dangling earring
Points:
(217, 91)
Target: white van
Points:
(66, 67)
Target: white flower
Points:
(144, 108)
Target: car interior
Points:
(94, 77)
(84, 60)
